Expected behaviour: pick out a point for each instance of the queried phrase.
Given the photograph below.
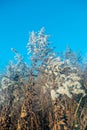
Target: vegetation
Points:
(48, 94)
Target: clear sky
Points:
(64, 20)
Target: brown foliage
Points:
(30, 108)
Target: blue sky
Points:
(64, 20)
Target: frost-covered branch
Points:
(39, 49)
(67, 80)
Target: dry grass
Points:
(29, 108)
